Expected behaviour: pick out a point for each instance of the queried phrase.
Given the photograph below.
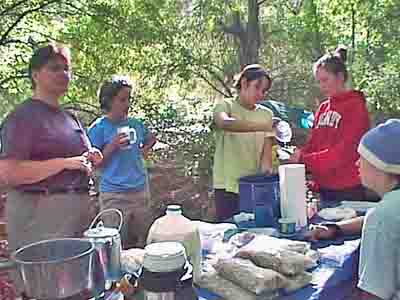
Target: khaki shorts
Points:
(136, 212)
(33, 217)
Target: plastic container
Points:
(287, 226)
(259, 194)
(174, 227)
(292, 180)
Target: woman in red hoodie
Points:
(341, 120)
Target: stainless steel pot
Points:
(107, 242)
(58, 268)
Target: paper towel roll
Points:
(292, 180)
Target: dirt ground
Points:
(167, 186)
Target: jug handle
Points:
(133, 130)
(117, 211)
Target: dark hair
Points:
(110, 88)
(333, 63)
(43, 55)
(252, 72)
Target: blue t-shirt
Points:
(124, 169)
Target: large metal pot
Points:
(107, 242)
(58, 268)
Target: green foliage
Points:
(182, 60)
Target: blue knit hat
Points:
(380, 146)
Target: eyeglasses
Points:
(54, 67)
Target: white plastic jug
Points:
(174, 227)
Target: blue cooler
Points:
(259, 194)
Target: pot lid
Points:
(101, 232)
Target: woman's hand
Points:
(145, 151)
(146, 148)
(94, 155)
(321, 232)
(121, 140)
(78, 163)
(295, 157)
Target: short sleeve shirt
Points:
(238, 154)
(37, 131)
(379, 267)
(124, 170)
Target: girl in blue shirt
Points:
(123, 175)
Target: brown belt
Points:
(49, 191)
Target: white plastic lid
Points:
(287, 220)
(174, 209)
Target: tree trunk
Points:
(250, 39)
(316, 47)
(247, 35)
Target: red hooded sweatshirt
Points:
(331, 152)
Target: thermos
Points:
(166, 274)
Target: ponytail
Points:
(334, 63)
(341, 53)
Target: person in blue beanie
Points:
(379, 165)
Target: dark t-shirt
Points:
(37, 131)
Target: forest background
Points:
(183, 55)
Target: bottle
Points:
(309, 195)
(174, 227)
(316, 203)
(311, 210)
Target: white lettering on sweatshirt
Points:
(329, 118)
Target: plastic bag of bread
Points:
(262, 241)
(247, 275)
(228, 290)
(283, 261)
(132, 260)
(297, 282)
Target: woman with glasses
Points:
(124, 142)
(48, 158)
(243, 138)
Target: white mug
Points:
(131, 133)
